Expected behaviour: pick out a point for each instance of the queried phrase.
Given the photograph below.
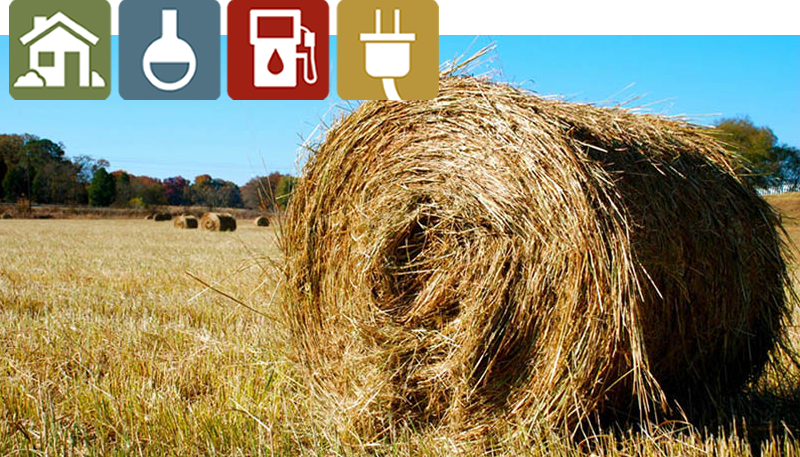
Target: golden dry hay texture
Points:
(185, 221)
(110, 349)
(493, 257)
(261, 221)
(218, 222)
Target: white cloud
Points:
(29, 79)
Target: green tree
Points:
(39, 152)
(58, 183)
(153, 194)
(16, 184)
(3, 171)
(212, 192)
(11, 147)
(754, 146)
(788, 157)
(87, 166)
(102, 189)
(283, 193)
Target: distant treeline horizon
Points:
(39, 171)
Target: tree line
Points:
(767, 164)
(39, 170)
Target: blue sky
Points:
(235, 140)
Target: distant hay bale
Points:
(6, 216)
(218, 222)
(161, 217)
(494, 257)
(149, 217)
(261, 221)
(185, 221)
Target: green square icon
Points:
(59, 50)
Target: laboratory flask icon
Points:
(169, 50)
(170, 54)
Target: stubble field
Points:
(108, 346)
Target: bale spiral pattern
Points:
(218, 222)
(493, 255)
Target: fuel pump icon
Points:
(276, 35)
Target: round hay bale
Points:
(6, 216)
(161, 217)
(149, 217)
(185, 221)
(492, 256)
(261, 221)
(218, 222)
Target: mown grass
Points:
(108, 347)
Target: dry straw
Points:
(218, 222)
(261, 221)
(185, 221)
(493, 257)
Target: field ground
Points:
(109, 347)
(19, 211)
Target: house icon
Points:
(50, 43)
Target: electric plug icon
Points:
(388, 55)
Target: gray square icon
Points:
(169, 49)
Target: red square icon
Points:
(278, 49)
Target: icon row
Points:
(276, 49)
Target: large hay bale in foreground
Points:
(494, 256)
(218, 222)
(185, 221)
(161, 217)
(261, 221)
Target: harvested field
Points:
(109, 348)
(90, 212)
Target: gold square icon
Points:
(388, 49)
